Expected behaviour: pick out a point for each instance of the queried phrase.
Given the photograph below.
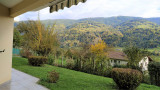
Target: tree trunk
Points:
(81, 64)
(93, 64)
(62, 62)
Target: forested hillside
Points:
(66, 22)
(86, 32)
(141, 33)
(155, 20)
(115, 31)
(113, 21)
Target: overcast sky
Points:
(100, 8)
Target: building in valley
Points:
(119, 58)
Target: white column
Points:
(6, 39)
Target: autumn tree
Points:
(43, 40)
(98, 48)
(101, 55)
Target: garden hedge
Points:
(37, 60)
(126, 78)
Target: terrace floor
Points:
(22, 81)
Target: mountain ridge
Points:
(113, 21)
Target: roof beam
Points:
(27, 5)
(4, 10)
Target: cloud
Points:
(101, 8)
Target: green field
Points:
(70, 79)
(155, 57)
(154, 49)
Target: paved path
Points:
(22, 81)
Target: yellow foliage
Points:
(98, 48)
(39, 38)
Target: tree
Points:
(154, 72)
(43, 40)
(17, 39)
(98, 48)
(101, 55)
(134, 55)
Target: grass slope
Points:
(70, 79)
(154, 57)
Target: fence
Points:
(16, 51)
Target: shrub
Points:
(107, 72)
(52, 76)
(146, 79)
(50, 59)
(120, 66)
(56, 63)
(154, 72)
(87, 66)
(37, 60)
(136, 68)
(25, 53)
(70, 63)
(126, 78)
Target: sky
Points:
(99, 8)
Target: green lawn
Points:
(70, 79)
(155, 58)
(154, 49)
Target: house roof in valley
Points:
(117, 55)
(150, 59)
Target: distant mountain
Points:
(138, 32)
(87, 24)
(66, 22)
(86, 32)
(141, 23)
(141, 33)
(113, 21)
(155, 20)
